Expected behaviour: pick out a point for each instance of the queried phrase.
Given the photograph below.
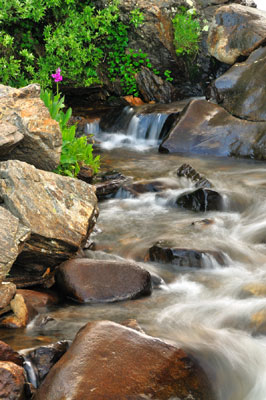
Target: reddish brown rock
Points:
(38, 300)
(88, 280)
(8, 354)
(12, 381)
(236, 31)
(110, 361)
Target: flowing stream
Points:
(217, 313)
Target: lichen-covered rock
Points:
(13, 235)
(241, 90)
(111, 361)
(59, 211)
(28, 132)
(206, 128)
(86, 280)
(236, 31)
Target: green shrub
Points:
(187, 32)
(76, 152)
(37, 36)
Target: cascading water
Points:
(134, 130)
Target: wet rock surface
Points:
(107, 184)
(108, 360)
(12, 381)
(236, 31)
(206, 128)
(187, 171)
(241, 90)
(59, 211)
(201, 200)
(43, 358)
(87, 280)
(161, 252)
(29, 133)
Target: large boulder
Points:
(59, 211)
(111, 361)
(27, 132)
(87, 280)
(241, 90)
(236, 31)
(207, 129)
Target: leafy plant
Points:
(187, 32)
(37, 35)
(167, 74)
(76, 152)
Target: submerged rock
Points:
(241, 90)
(184, 257)
(29, 133)
(59, 211)
(12, 381)
(87, 280)
(201, 200)
(236, 31)
(206, 128)
(110, 361)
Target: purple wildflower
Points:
(57, 76)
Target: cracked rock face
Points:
(59, 212)
(27, 132)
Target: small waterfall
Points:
(129, 128)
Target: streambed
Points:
(217, 313)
